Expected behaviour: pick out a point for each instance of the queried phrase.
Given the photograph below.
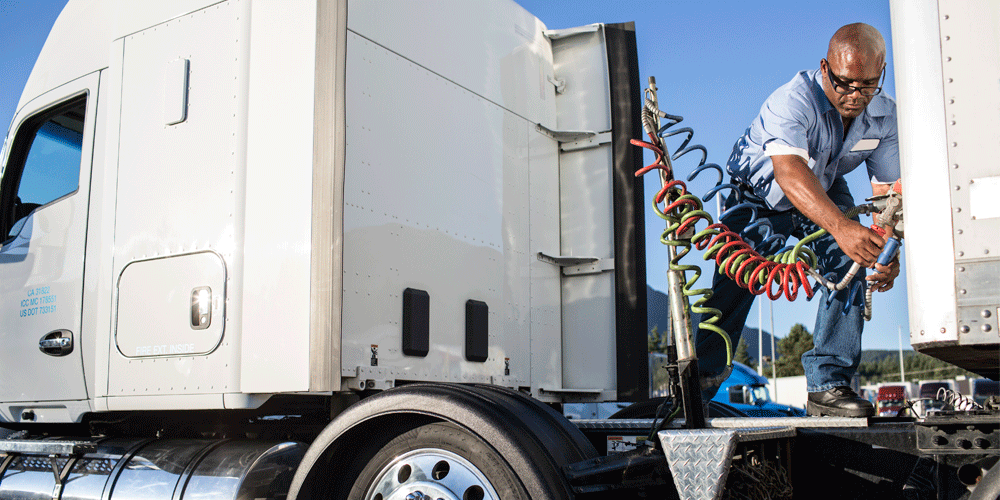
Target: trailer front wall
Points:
(948, 64)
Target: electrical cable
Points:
(657, 427)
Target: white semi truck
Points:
(351, 249)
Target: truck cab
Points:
(889, 400)
(252, 219)
(747, 392)
(199, 211)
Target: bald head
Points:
(853, 67)
(858, 39)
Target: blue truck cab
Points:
(747, 392)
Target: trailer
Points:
(358, 249)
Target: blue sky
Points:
(714, 61)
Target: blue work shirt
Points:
(799, 119)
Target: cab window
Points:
(44, 164)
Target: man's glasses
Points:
(841, 87)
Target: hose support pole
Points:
(694, 410)
(680, 311)
(687, 358)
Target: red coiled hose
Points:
(734, 256)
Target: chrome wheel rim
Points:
(431, 474)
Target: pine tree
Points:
(798, 341)
(656, 341)
(743, 356)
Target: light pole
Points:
(899, 334)
(774, 358)
(760, 337)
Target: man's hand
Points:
(884, 276)
(861, 244)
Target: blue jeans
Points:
(836, 336)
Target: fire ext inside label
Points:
(38, 301)
(161, 350)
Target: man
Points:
(790, 164)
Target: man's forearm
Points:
(805, 192)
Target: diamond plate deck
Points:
(726, 423)
(796, 422)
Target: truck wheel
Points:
(435, 461)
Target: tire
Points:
(520, 449)
(440, 460)
(565, 441)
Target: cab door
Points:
(44, 193)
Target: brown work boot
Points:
(838, 402)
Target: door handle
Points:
(57, 343)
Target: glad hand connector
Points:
(889, 221)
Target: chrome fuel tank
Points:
(129, 469)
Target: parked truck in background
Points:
(890, 399)
(930, 388)
(746, 391)
(318, 249)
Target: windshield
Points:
(759, 394)
(929, 390)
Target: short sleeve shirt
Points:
(799, 119)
